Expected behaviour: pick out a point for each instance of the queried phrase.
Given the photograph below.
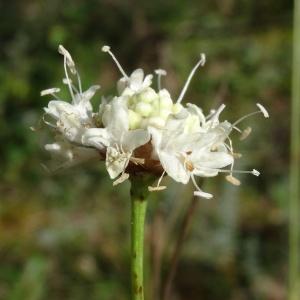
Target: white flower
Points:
(121, 141)
(184, 154)
(144, 130)
(134, 84)
(72, 119)
(69, 154)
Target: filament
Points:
(107, 49)
(160, 73)
(201, 62)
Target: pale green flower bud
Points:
(147, 96)
(177, 108)
(134, 119)
(192, 124)
(165, 99)
(144, 109)
(164, 113)
(156, 122)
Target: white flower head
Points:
(142, 130)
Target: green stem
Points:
(139, 193)
(294, 207)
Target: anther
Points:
(160, 72)
(121, 179)
(263, 110)
(245, 133)
(233, 180)
(156, 188)
(63, 51)
(49, 91)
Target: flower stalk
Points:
(294, 203)
(139, 193)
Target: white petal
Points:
(147, 81)
(121, 85)
(56, 108)
(194, 109)
(70, 126)
(87, 95)
(96, 137)
(202, 172)
(136, 79)
(115, 117)
(174, 167)
(116, 162)
(215, 117)
(133, 139)
(156, 136)
(212, 160)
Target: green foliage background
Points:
(66, 236)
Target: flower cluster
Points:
(142, 130)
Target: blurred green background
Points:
(66, 236)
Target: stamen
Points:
(253, 172)
(74, 89)
(201, 63)
(79, 83)
(161, 177)
(245, 133)
(45, 168)
(236, 155)
(199, 192)
(263, 110)
(107, 49)
(122, 178)
(237, 129)
(50, 91)
(137, 160)
(203, 194)
(63, 51)
(233, 180)
(231, 152)
(47, 122)
(211, 113)
(68, 79)
(158, 187)
(159, 73)
(70, 63)
(217, 113)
